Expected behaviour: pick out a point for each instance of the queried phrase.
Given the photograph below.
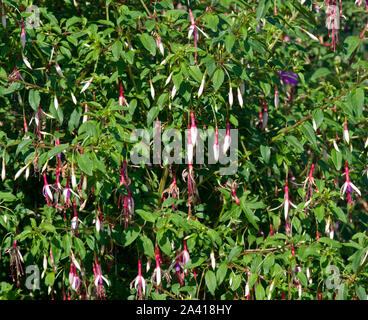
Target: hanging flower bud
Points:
(58, 70)
(56, 102)
(27, 173)
(335, 146)
(152, 90)
(173, 92)
(193, 128)
(85, 87)
(240, 97)
(346, 132)
(168, 79)
(231, 98)
(200, 91)
(74, 179)
(216, 149)
(264, 118)
(159, 44)
(84, 183)
(26, 62)
(276, 99)
(190, 148)
(71, 274)
(213, 261)
(227, 139)
(3, 18)
(3, 172)
(85, 117)
(157, 271)
(186, 256)
(23, 36)
(73, 98)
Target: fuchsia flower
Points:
(157, 271)
(99, 278)
(291, 78)
(193, 29)
(139, 283)
(348, 186)
(232, 186)
(286, 203)
(309, 181)
(346, 132)
(47, 190)
(190, 147)
(16, 258)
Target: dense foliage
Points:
(78, 78)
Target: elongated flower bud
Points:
(227, 139)
(231, 98)
(56, 103)
(26, 62)
(216, 149)
(85, 117)
(190, 148)
(23, 36)
(193, 128)
(277, 98)
(152, 90)
(20, 171)
(3, 18)
(240, 97)
(58, 70)
(264, 118)
(213, 261)
(85, 87)
(335, 146)
(346, 133)
(159, 44)
(173, 92)
(3, 172)
(73, 98)
(168, 79)
(200, 91)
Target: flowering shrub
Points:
(81, 220)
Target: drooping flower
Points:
(99, 278)
(85, 87)
(348, 186)
(47, 190)
(240, 97)
(23, 36)
(346, 132)
(16, 258)
(157, 272)
(139, 283)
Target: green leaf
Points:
(116, 50)
(7, 197)
(336, 159)
(85, 163)
(260, 292)
(234, 253)
(79, 246)
(21, 146)
(295, 142)
(350, 44)
(308, 132)
(210, 279)
(152, 114)
(56, 150)
(34, 99)
(218, 79)
(47, 227)
(320, 73)
(147, 216)
(361, 293)
(266, 153)
(221, 273)
(50, 279)
(129, 235)
(149, 43)
(229, 42)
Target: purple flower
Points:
(289, 78)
